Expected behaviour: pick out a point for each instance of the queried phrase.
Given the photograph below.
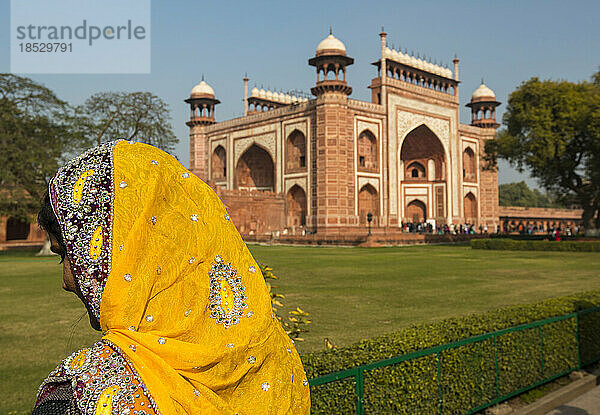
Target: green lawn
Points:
(351, 293)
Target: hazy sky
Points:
(505, 42)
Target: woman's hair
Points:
(48, 222)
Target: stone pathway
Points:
(586, 404)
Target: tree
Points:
(519, 194)
(553, 130)
(139, 116)
(36, 134)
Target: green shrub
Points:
(533, 245)
(468, 375)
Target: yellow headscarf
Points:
(175, 288)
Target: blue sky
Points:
(505, 42)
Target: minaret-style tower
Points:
(202, 104)
(331, 57)
(332, 145)
(202, 113)
(483, 107)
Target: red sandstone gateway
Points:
(321, 165)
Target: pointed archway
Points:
(295, 152)
(218, 164)
(296, 206)
(470, 206)
(422, 146)
(416, 212)
(469, 166)
(255, 170)
(368, 158)
(368, 202)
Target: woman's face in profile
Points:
(69, 283)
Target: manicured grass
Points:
(351, 293)
(40, 324)
(355, 293)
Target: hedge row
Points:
(468, 375)
(513, 245)
(528, 237)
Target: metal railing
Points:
(358, 372)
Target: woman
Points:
(185, 312)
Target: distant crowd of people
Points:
(553, 232)
(451, 229)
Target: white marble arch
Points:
(299, 181)
(265, 141)
(469, 144)
(373, 181)
(369, 126)
(301, 126)
(222, 141)
(409, 121)
(436, 125)
(471, 189)
(412, 198)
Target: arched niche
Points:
(255, 170)
(470, 206)
(415, 171)
(368, 202)
(296, 206)
(295, 152)
(469, 166)
(422, 146)
(218, 163)
(368, 154)
(416, 211)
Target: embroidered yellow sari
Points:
(186, 314)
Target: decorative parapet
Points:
(261, 116)
(485, 133)
(423, 64)
(367, 106)
(407, 86)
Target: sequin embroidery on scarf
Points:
(82, 195)
(227, 298)
(104, 382)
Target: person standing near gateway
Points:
(185, 313)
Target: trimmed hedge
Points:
(514, 245)
(467, 372)
(528, 237)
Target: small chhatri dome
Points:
(202, 90)
(483, 92)
(331, 46)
